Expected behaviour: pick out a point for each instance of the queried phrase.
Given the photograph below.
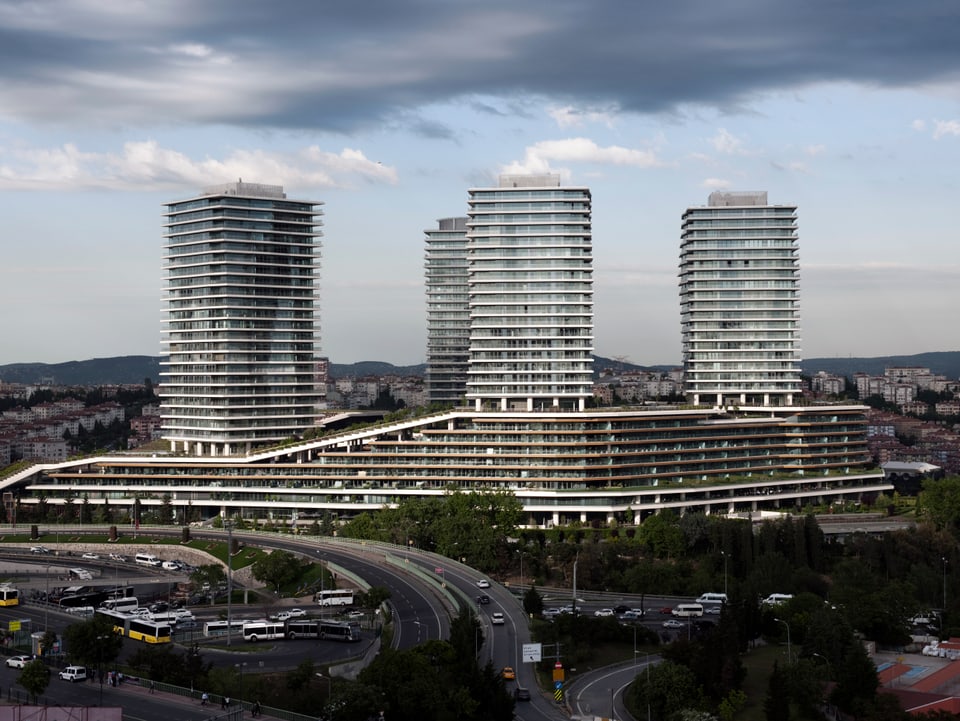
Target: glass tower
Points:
(739, 274)
(240, 329)
(530, 280)
(448, 315)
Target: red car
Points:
(666, 611)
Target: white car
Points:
(296, 613)
(483, 583)
(604, 613)
(18, 661)
(170, 566)
(90, 557)
(497, 618)
(39, 549)
(673, 623)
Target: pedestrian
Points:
(153, 687)
(255, 711)
(223, 702)
(203, 698)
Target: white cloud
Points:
(945, 127)
(716, 183)
(815, 149)
(144, 165)
(537, 158)
(919, 125)
(726, 142)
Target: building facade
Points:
(596, 467)
(739, 301)
(448, 311)
(530, 265)
(240, 327)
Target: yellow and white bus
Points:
(137, 627)
(9, 596)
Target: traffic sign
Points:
(532, 652)
(558, 685)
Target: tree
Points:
(92, 643)
(210, 575)
(277, 568)
(35, 677)
(776, 706)
(532, 601)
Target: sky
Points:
(388, 111)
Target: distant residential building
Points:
(948, 408)
(739, 300)
(915, 408)
(828, 384)
(899, 393)
(241, 319)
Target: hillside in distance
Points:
(946, 363)
(135, 369)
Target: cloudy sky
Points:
(387, 111)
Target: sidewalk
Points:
(132, 688)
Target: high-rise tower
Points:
(240, 319)
(530, 265)
(739, 275)
(448, 313)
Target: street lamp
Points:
(522, 553)
(228, 524)
(240, 695)
(724, 554)
(944, 559)
(100, 640)
(329, 684)
(825, 660)
(789, 646)
(648, 687)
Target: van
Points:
(129, 604)
(775, 599)
(74, 673)
(147, 559)
(712, 598)
(688, 610)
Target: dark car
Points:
(521, 694)
(483, 599)
(621, 609)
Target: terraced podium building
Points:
(743, 449)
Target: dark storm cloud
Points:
(344, 66)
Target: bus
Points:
(87, 598)
(9, 596)
(254, 631)
(340, 630)
(335, 597)
(302, 628)
(137, 628)
(126, 604)
(688, 610)
(219, 628)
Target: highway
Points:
(425, 590)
